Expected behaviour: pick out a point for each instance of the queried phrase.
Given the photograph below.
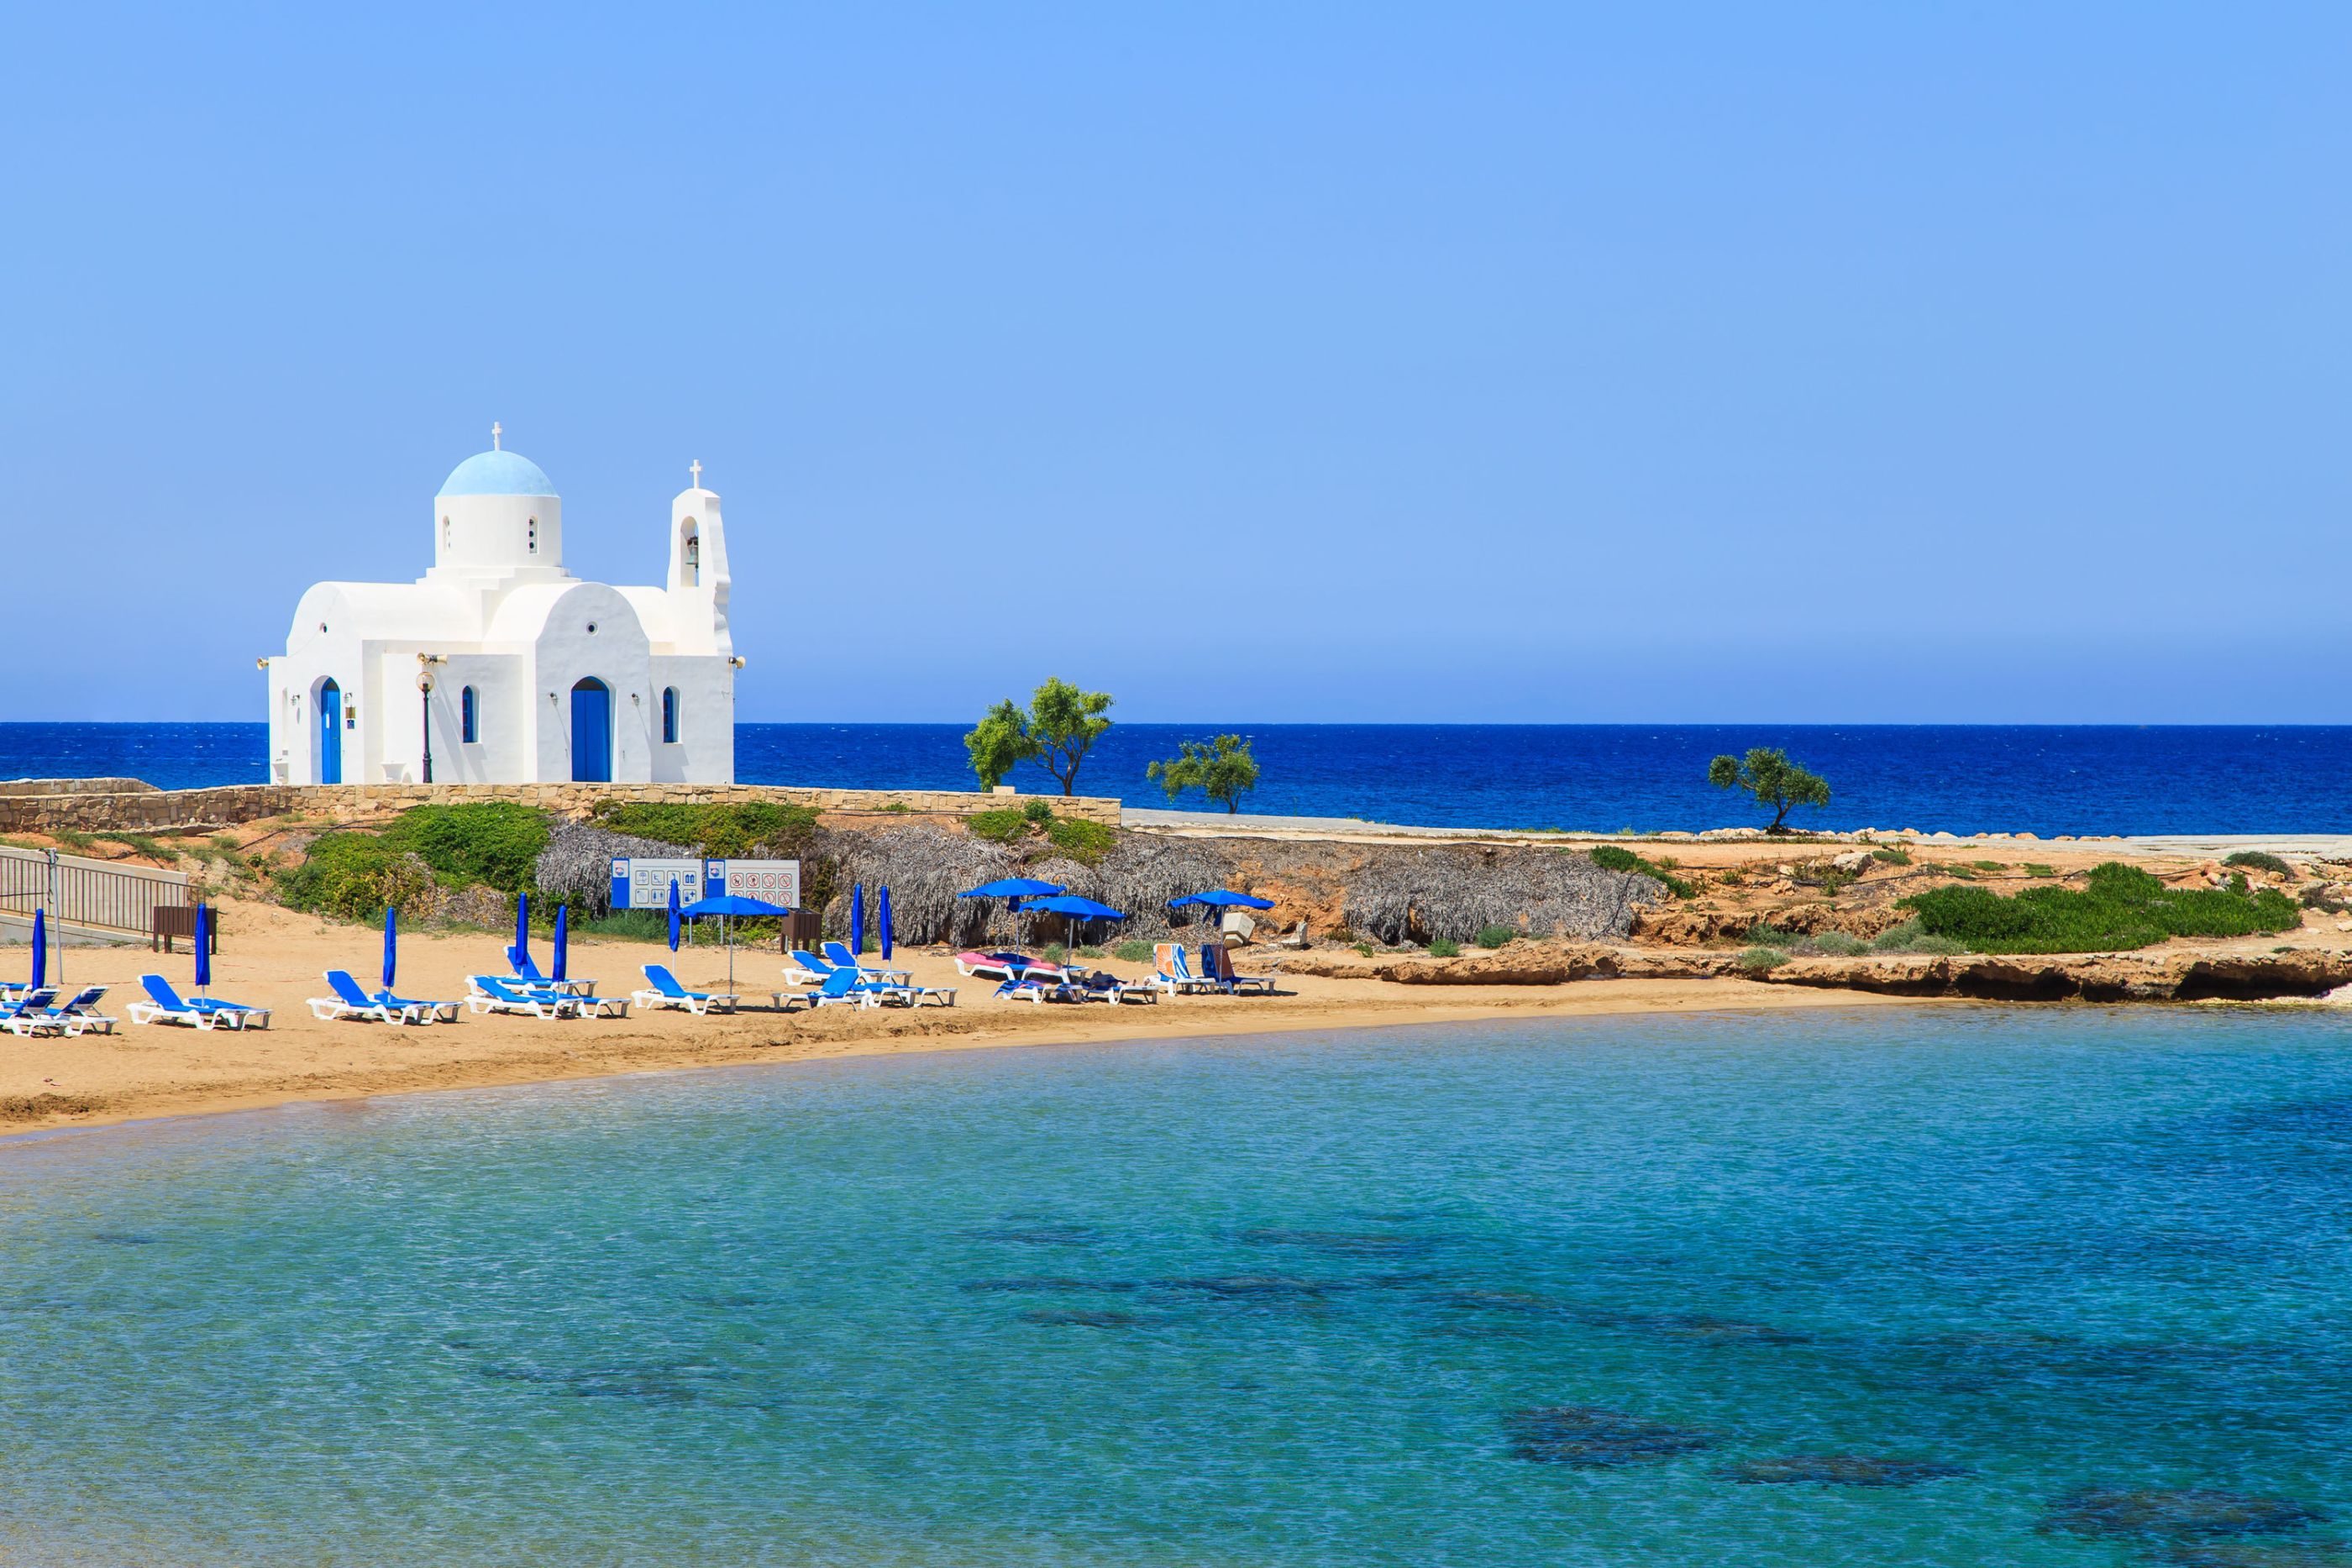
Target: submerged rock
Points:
(1048, 1285)
(1585, 1436)
(2188, 1512)
(1043, 1235)
(1338, 1242)
(1695, 1326)
(1840, 1470)
(1080, 1317)
(1239, 1287)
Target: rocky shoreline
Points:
(2184, 973)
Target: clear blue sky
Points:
(1255, 363)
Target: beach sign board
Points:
(642, 881)
(774, 881)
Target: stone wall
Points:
(146, 809)
(74, 786)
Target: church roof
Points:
(497, 474)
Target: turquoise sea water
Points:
(1274, 1300)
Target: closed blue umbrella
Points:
(391, 944)
(563, 940)
(674, 920)
(523, 930)
(882, 920)
(856, 917)
(204, 945)
(40, 949)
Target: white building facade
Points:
(501, 668)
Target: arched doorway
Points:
(592, 732)
(330, 770)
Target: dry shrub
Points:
(576, 866)
(925, 867)
(1414, 895)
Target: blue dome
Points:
(497, 474)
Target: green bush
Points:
(1891, 856)
(2036, 868)
(1763, 935)
(2120, 907)
(1132, 952)
(1001, 826)
(1838, 944)
(492, 843)
(2260, 860)
(1492, 937)
(1090, 952)
(1439, 948)
(1757, 960)
(353, 876)
(722, 830)
(1084, 842)
(1615, 857)
(1037, 812)
(1366, 949)
(1055, 952)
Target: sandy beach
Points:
(275, 958)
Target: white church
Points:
(497, 666)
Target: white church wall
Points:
(705, 749)
(615, 653)
(497, 533)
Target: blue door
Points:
(591, 733)
(331, 734)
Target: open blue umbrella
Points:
(204, 947)
(856, 917)
(1074, 908)
(1013, 890)
(1219, 898)
(882, 921)
(523, 931)
(563, 942)
(674, 920)
(40, 949)
(391, 944)
(728, 907)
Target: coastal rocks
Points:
(1080, 1317)
(2185, 1513)
(1336, 1243)
(1839, 1469)
(2163, 975)
(1587, 1437)
(1695, 1328)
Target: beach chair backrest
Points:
(840, 983)
(840, 954)
(811, 962)
(1168, 958)
(35, 998)
(491, 986)
(160, 992)
(85, 1000)
(347, 990)
(525, 964)
(1216, 964)
(664, 981)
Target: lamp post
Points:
(425, 663)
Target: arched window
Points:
(468, 721)
(669, 715)
(693, 555)
(445, 536)
(531, 539)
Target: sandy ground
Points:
(274, 957)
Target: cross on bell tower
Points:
(695, 468)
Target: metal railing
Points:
(85, 894)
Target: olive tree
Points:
(1061, 726)
(1767, 773)
(1223, 769)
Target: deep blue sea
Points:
(1602, 777)
(1886, 1288)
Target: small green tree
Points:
(1767, 773)
(1223, 769)
(1000, 740)
(1061, 727)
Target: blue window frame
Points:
(669, 715)
(468, 728)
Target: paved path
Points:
(2301, 846)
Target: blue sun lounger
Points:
(665, 992)
(165, 1004)
(351, 1002)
